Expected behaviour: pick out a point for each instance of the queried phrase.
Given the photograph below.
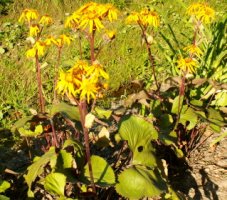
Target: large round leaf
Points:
(136, 131)
(137, 182)
(102, 172)
(55, 183)
(139, 133)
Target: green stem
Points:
(39, 81)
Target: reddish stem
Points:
(92, 46)
(56, 73)
(83, 112)
(39, 81)
(150, 56)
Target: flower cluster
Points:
(202, 12)
(91, 16)
(144, 18)
(36, 26)
(83, 80)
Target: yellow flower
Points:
(45, 20)
(88, 89)
(34, 30)
(111, 12)
(202, 12)
(50, 40)
(187, 64)
(91, 20)
(109, 35)
(96, 70)
(193, 50)
(65, 83)
(145, 17)
(133, 17)
(31, 53)
(38, 48)
(149, 17)
(79, 71)
(28, 15)
(72, 21)
(63, 39)
(207, 15)
(91, 15)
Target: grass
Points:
(125, 58)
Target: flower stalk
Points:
(39, 81)
(83, 112)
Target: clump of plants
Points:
(91, 152)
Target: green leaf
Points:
(137, 182)
(102, 172)
(55, 183)
(78, 151)
(28, 133)
(196, 102)
(101, 113)
(188, 115)
(139, 133)
(168, 139)
(66, 159)
(177, 104)
(37, 168)
(215, 119)
(166, 120)
(220, 99)
(21, 122)
(3, 197)
(70, 111)
(4, 185)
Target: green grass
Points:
(125, 58)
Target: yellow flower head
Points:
(91, 15)
(149, 17)
(28, 15)
(34, 30)
(88, 89)
(202, 12)
(65, 83)
(133, 17)
(111, 12)
(38, 48)
(109, 35)
(62, 40)
(187, 64)
(31, 53)
(72, 21)
(96, 70)
(82, 81)
(145, 17)
(79, 71)
(193, 50)
(45, 20)
(91, 20)
(50, 40)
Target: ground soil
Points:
(203, 175)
